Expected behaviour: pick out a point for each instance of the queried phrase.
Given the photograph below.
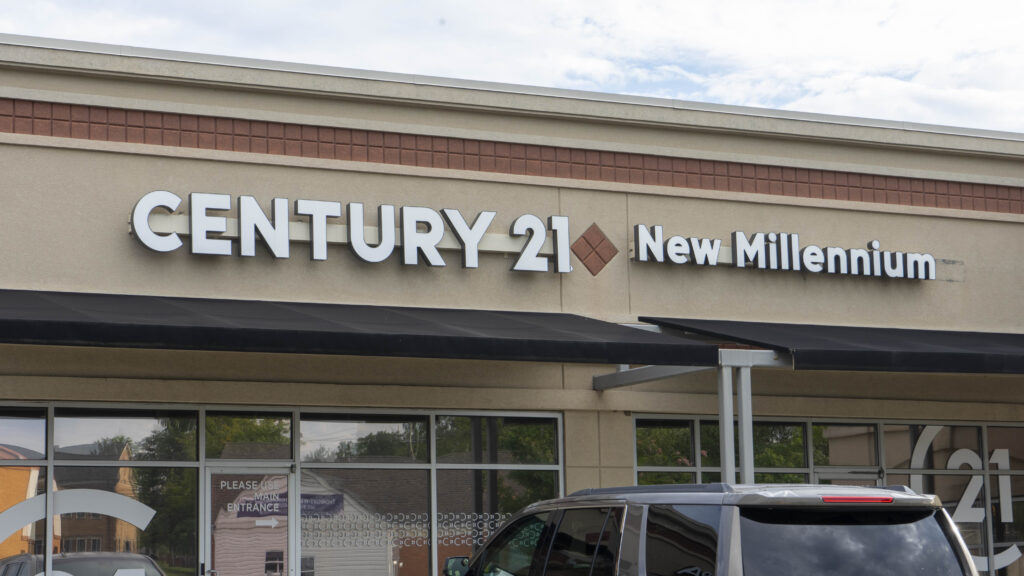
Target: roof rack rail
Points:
(717, 488)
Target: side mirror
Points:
(456, 566)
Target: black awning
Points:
(874, 349)
(129, 321)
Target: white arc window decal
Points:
(71, 501)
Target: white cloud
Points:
(926, 61)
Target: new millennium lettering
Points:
(782, 251)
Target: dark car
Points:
(719, 529)
(82, 564)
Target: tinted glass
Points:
(125, 435)
(496, 440)
(517, 550)
(805, 543)
(928, 447)
(650, 478)
(844, 445)
(473, 504)
(19, 484)
(105, 565)
(365, 439)
(682, 540)
(22, 435)
(778, 446)
(248, 436)
(359, 521)
(664, 443)
(583, 542)
(148, 510)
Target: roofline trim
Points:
(16, 40)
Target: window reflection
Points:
(248, 435)
(496, 440)
(149, 511)
(22, 435)
(844, 445)
(371, 439)
(124, 435)
(927, 447)
(18, 484)
(366, 521)
(472, 504)
(664, 443)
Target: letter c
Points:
(140, 221)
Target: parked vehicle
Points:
(728, 530)
(82, 564)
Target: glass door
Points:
(247, 519)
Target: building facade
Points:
(265, 316)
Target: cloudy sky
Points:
(930, 61)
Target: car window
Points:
(516, 550)
(682, 540)
(586, 543)
(106, 565)
(781, 542)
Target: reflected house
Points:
(378, 523)
(88, 532)
(341, 535)
(17, 484)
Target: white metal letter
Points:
(645, 245)
(414, 242)
(318, 212)
(252, 220)
(140, 221)
(200, 225)
(468, 236)
(357, 233)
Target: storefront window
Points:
(664, 443)
(125, 435)
(366, 521)
(19, 484)
(983, 493)
(128, 510)
(472, 504)
(844, 445)
(365, 439)
(22, 435)
(128, 485)
(248, 436)
(496, 440)
(928, 447)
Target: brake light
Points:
(857, 499)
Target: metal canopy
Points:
(132, 321)
(857, 348)
(815, 347)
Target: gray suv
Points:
(719, 529)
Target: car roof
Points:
(818, 495)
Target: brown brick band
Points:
(214, 133)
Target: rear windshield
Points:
(105, 565)
(787, 542)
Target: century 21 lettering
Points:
(419, 232)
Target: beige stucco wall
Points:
(64, 227)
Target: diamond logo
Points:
(594, 249)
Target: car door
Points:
(518, 550)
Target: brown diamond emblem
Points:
(594, 249)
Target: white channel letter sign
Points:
(781, 251)
(215, 223)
